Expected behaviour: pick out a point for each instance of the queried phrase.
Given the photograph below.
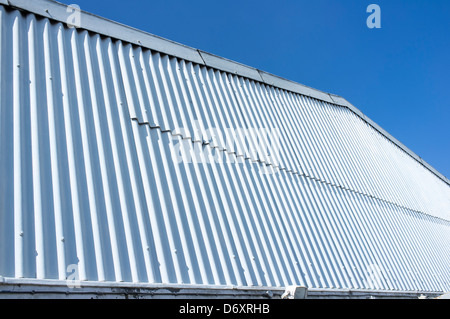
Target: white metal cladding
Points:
(88, 176)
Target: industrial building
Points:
(131, 165)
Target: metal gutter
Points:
(367, 294)
(35, 288)
(58, 11)
(38, 288)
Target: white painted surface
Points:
(87, 127)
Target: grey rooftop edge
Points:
(60, 12)
(51, 288)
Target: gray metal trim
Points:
(229, 66)
(37, 288)
(395, 141)
(367, 294)
(88, 21)
(295, 87)
(58, 11)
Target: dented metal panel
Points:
(122, 163)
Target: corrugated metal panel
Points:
(91, 129)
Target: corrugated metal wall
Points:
(89, 132)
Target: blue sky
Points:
(399, 75)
